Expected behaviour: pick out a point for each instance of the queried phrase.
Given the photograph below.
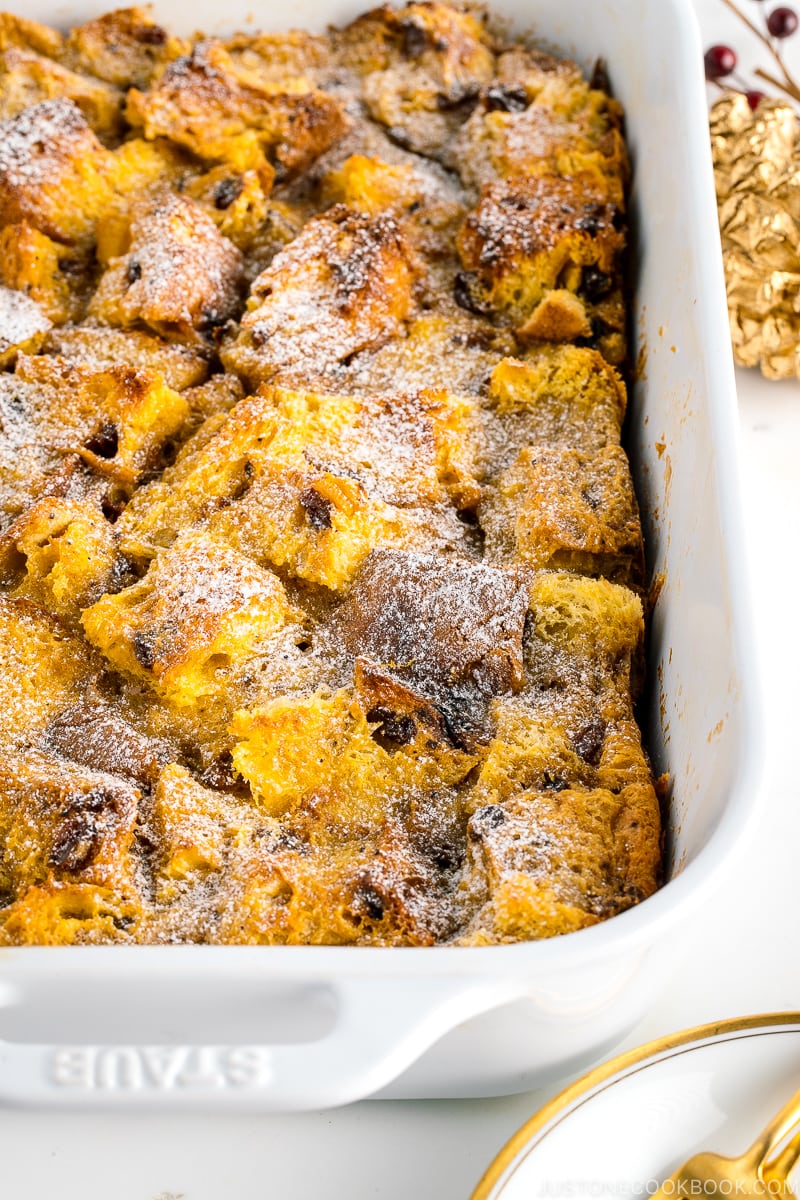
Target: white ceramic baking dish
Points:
(296, 1028)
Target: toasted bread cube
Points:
(540, 116)
(448, 629)
(279, 59)
(554, 861)
(531, 749)
(204, 102)
(59, 821)
(450, 45)
(290, 895)
(304, 481)
(198, 830)
(113, 425)
(436, 621)
(26, 78)
(69, 914)
(210, 471)
(317, 754)
(192, 824)
(200, 608)
(541, 241)
(236, 201)
(344, 284)
(561, 509)
(26, 459)
(317, 525)
(558, 396)
(33, 263)
(580, 734)
(406, 449)
(94, 733)
(54, 173)
(622, 760)
(452, 350)
(43, 668)
(318, 492)
(428, 210)
(68, 552)
(23, 325)
(101, 348)
(583, 626)
(29, 35)
(378, 891)
(139, 165)
(180, 276)
(320, 527)
(423, 63)
(125, 47)
(371, 186)
(117, 420)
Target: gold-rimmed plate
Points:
(628, 1124)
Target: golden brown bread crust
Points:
(179, 276)
(204, 102)
(124, 47)
(560, 509)
(33, 263)
(320, 560)
(345, 284)
(54, 173)
(543, 253)
(200, 608)
(561, 857)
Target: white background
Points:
(739, 958)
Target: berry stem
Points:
(790, 87)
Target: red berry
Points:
(782, 22)
(754, 99)
(720, 61)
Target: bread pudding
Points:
(321, 568)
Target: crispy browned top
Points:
(320, 558)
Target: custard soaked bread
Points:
(320, 559)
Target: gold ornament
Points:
(757, 174)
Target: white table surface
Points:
(739, 958)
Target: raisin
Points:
(151, 35)
(506, 98)
(144, 650)
(588, 741)
(415, 39)
(461, 100)
(105, 442)
(371, 902)
(226, 191)
(398, 728)
(596, 284)
(484, 820)
(589, 224)
(317, 508)
(600, 81)
(77, 840)
(467, 293)
(134, 271)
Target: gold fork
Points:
(763, 1170)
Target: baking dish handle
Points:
(380, 1029)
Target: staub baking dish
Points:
(296, 1028)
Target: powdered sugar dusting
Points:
(303, 703)
(20, 319)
